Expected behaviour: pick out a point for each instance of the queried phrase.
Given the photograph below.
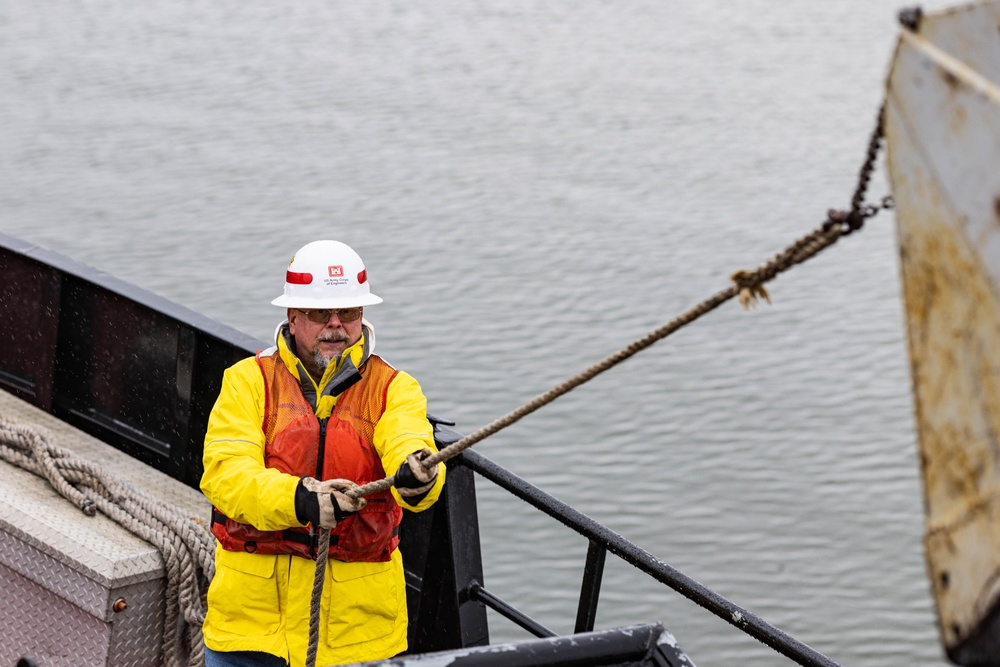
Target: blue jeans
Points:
(242, 659)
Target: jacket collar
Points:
(343, 371)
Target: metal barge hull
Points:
(943, 136)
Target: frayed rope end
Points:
(750, 293)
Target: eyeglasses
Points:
(322, 316)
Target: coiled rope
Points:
(186, 547)
(747, 285)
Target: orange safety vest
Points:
(292, 436)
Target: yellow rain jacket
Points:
(261, 602)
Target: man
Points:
(274, 486)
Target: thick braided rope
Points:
(748, 285)
(187, 547)
(322, 554)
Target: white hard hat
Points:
(326, 274)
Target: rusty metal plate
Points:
(943, 135)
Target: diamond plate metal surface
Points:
(62, 571)
(57, 577)
(137, 631)
(42, 625)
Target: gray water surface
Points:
(533, 185)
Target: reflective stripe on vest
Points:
(292, 434)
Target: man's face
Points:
(317, 343)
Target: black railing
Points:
(602, 541)
(508, 611)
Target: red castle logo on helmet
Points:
(336, 271)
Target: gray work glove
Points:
(323, 504)
(413, 480)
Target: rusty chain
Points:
(851, 221)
